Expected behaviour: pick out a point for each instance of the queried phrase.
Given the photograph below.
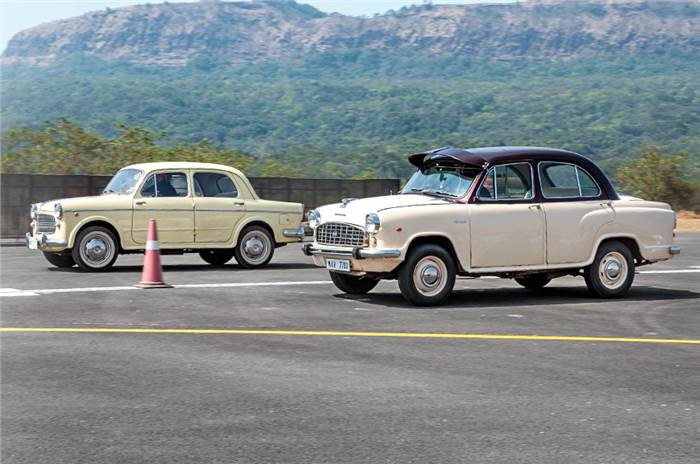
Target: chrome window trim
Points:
(495, 189)
(578, 181)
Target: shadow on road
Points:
(517, 297)
(193, 267)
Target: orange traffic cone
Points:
(152, 276)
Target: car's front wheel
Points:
(62, 260)
(354, 285)
(95, 249)
(612, 271)
(216, 257)
(255, 247)
(427, 277)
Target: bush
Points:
(660, 177)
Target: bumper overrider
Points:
(311, 249)
(294, 233)
(42, 241)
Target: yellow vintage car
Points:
(209, 209)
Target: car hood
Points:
(354, 211)
(95, 202)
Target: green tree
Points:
(661, 177)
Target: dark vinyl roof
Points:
(490, 155)
(485, 156)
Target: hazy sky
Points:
(22, 14)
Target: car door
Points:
(218, 206)
(507, 223)
(575, 210)
(164, 196)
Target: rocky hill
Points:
(235, 32)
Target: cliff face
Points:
(173, 34)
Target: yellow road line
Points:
(554, 338)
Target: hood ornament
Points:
(345, 201)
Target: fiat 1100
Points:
(210, 209)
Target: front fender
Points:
(76, 227)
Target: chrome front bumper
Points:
(346, 252)
(42, 241)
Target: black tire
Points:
(62, 260)
(216, 257)
(246, 251)
(612, 272)
(533, 281)
(423, 264)
(353, 285)
(95, 262)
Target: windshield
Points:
(450, 181)
(124, 181)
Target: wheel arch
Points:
(101, 222)
(628, 240)
(436, 239)
(255, 222)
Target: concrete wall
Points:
(19, 191)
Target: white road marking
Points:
(16, 292)
(50, 291)
(670, 271)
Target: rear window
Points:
(561, 180)
(214, 184)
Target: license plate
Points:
(32, 244)
(338, 265)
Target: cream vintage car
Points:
(198, 207)
(531, 214)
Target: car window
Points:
(507, 182)
(165, 184)
(588, 186)
(214, 184)
(559, 180)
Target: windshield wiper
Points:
(109, 191)
(440, 193)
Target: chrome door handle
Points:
(140, 203)
(534, 207)
(239, 203)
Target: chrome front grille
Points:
(337, 233)
(45, 224)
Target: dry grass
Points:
(688, 221)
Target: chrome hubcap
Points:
(430, 276)
(613, 270)
(97, 249)
(256, 247)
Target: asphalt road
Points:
(154, 397)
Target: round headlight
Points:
(33, 211)
(57, 210)
(372, 223)
(314, 218)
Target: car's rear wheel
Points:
(533, 281)
(255, 247)
(62, 260)
(95, 249)
(427, 277)
(354, 285)
(216, 257)
(612, 271)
